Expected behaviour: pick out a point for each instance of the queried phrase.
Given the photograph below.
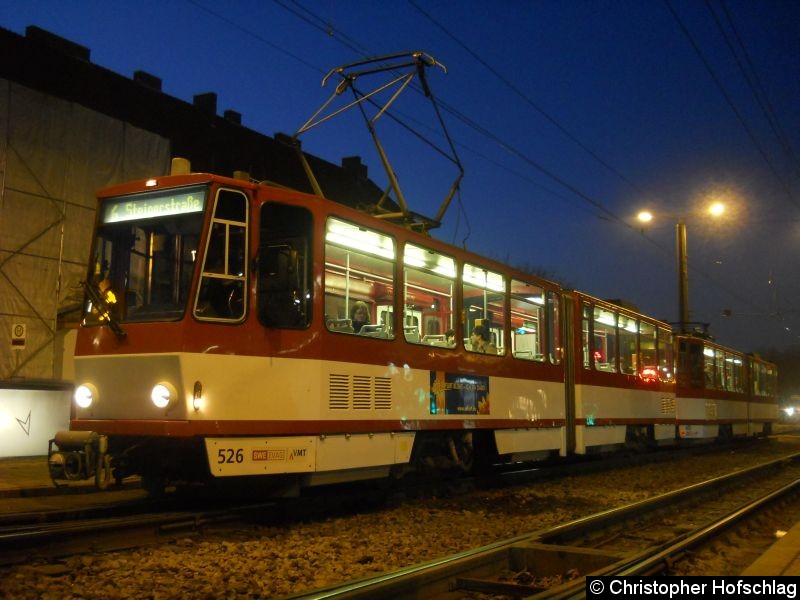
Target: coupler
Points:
(80, 455)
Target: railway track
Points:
(641, 538)
(276, 532)
(127, 527)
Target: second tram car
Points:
(235, 330)
(722, 392)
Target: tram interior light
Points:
(482, 278)
(356, 238)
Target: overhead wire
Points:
(761, 98)
(320, 24)
(729, 100)
(310, 18)
(528, 100)
(754, 82)
(563, 130)
(254, 35)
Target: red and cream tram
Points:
(624, 384)
(722, 392)
(235, 329)
(220, 340)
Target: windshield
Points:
(145, 252)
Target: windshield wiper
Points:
(101, 303)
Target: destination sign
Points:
(136, 208)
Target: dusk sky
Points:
(568, 116)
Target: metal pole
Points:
(683, 277)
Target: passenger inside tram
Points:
(481, 340)
(359, 315)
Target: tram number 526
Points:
(230, 456)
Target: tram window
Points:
(648, 356)
(628, 329)
(554, 327)
(709, 366)
(691, 365)
(772, 380)
(604, 340)
(764, 379)
(429, 299)
(284, 266)
(754, 378)
(720, 372)
(359, 280)
(665, 360)
(221, 294)
(528, 333)
(586, 323)
(484, 297)
(735, 379)
(727, 370)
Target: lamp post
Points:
(683, 276)
(715, 210)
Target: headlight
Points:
(85, 394)
(163, 394)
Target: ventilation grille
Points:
(711, 410)
(667, 406)
(338, 392)
(383, 393)
(359, 392)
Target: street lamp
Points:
(716, 209)
(683, 276)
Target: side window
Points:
(754, 378)
(528, 323)
(284, 266)
(359, 280)
(708, 367)
(665, 358)
(720, 380)
(604, 346)
(586, 334)
(738, 373)
(648, 354)
(691, 364)
(628, 333)
(554, 346)
(772, 380)
(221, 295)
(429, 300)
(484, 297)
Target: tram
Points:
(239, 331)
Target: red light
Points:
(649, 374)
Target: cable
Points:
(756, 86)
(730, 102)
(528, 100)
(254, 35)
(353, 45)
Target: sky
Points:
(568, 117)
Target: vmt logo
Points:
(298, 453)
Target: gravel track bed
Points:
(261, 561)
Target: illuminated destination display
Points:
(136, 208)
